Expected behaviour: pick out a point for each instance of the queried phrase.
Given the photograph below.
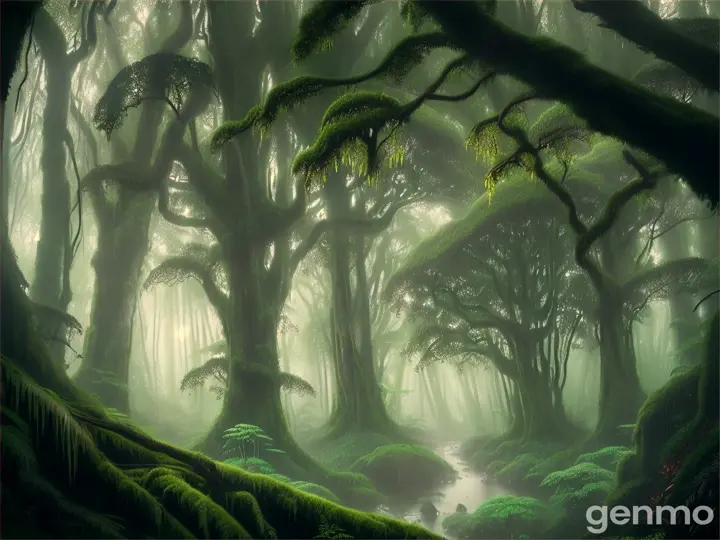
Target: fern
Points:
(328, 531)
(578, 476)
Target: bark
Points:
(620, 392)
(359, 406)
(123, 244)
(117, 263)
(51, 283)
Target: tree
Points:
(76, 466)
(123, 214)
(492, 288)
(58, 244)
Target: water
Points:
(472, 488)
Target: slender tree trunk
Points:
(51, 283)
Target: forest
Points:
(359, 269)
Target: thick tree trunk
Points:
(621, 395)
(117, 263)
(253, 390)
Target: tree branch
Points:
(635, 22)
(686, 138)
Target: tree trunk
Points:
(359, 406)
(118, 262)
(621, 395)
(51, 283)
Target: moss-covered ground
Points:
(672, 458)
(72, 471)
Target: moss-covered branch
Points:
(397, 64)
(634, 21)
(684, 137)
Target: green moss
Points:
(342, 452)
(181, 495)
(628, 468)
(506, 516)
(245, 509)
(402, 469)
(516, 193)
(663, 414)
(700, 466)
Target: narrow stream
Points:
(471, 489)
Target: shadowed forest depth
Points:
(359, 269)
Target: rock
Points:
(428, 511)
(461, 509)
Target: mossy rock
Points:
(506, 516)
(402, 469)
(342, 452)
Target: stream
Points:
(471, 489)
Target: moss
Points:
(245, 509)
(663, 414)
(517, 192)
(402, 469)
(342, 452)
(181, 495)
(506, 516)
(690, 476)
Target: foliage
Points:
(506, 516)
(517, 469)
(578, 476)
(165, 76)
(342, 452)
(329, 531)
(241, 435)
(607, 457)
(590, 494)
(216, 368)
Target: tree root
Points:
(97, 476)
